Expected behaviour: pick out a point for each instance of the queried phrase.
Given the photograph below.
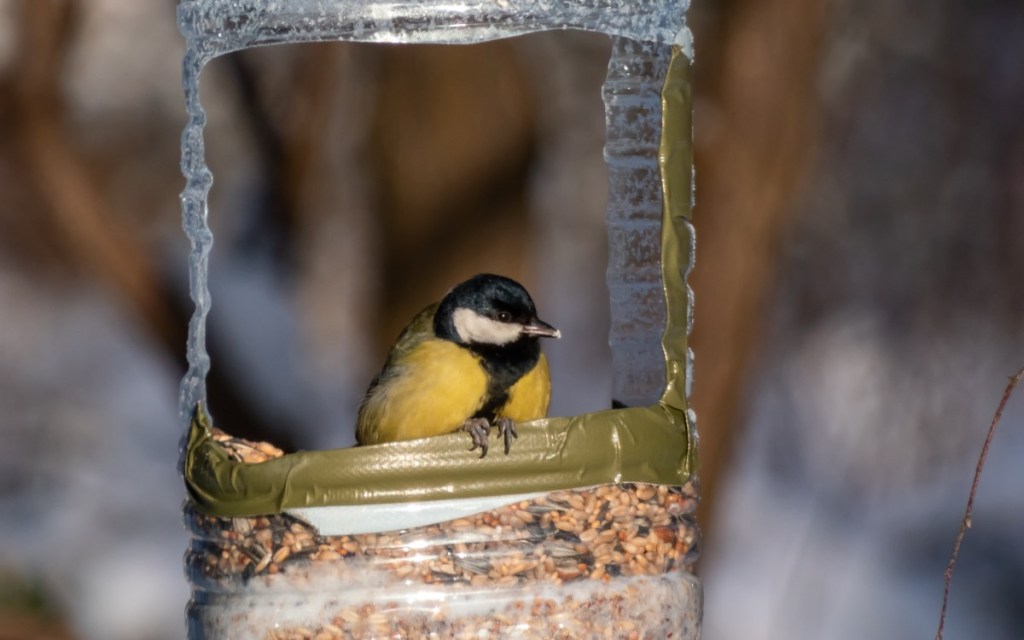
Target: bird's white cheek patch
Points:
(473, 327)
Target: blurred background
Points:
(860, 220)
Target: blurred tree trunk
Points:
(568, 235)
(451, 149)
(755, 124)
(77, 213)
(75, 208)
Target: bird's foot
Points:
(478, 429)
(507, 430)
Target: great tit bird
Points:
(469, 362)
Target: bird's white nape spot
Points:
(473, 327)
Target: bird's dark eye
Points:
(504, 316)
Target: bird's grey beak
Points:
(539, 328)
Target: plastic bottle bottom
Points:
(611, 561)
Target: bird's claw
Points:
(507, 430)
(478, 429)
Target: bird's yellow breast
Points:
(432, 390)
(529, 397)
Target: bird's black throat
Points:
(505, 365)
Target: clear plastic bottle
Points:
(608, 560)
(611, 561)
(633, 111)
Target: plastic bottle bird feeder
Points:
(585, 529)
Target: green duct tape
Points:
(646, 444)
(675, 159)
(626, 445)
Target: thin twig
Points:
(965, 524)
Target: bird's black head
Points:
(489, 310)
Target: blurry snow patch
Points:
(870, 407)
(125, 597)
(90, 495)
(260, 329)
(851, 484)
(790, 563)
